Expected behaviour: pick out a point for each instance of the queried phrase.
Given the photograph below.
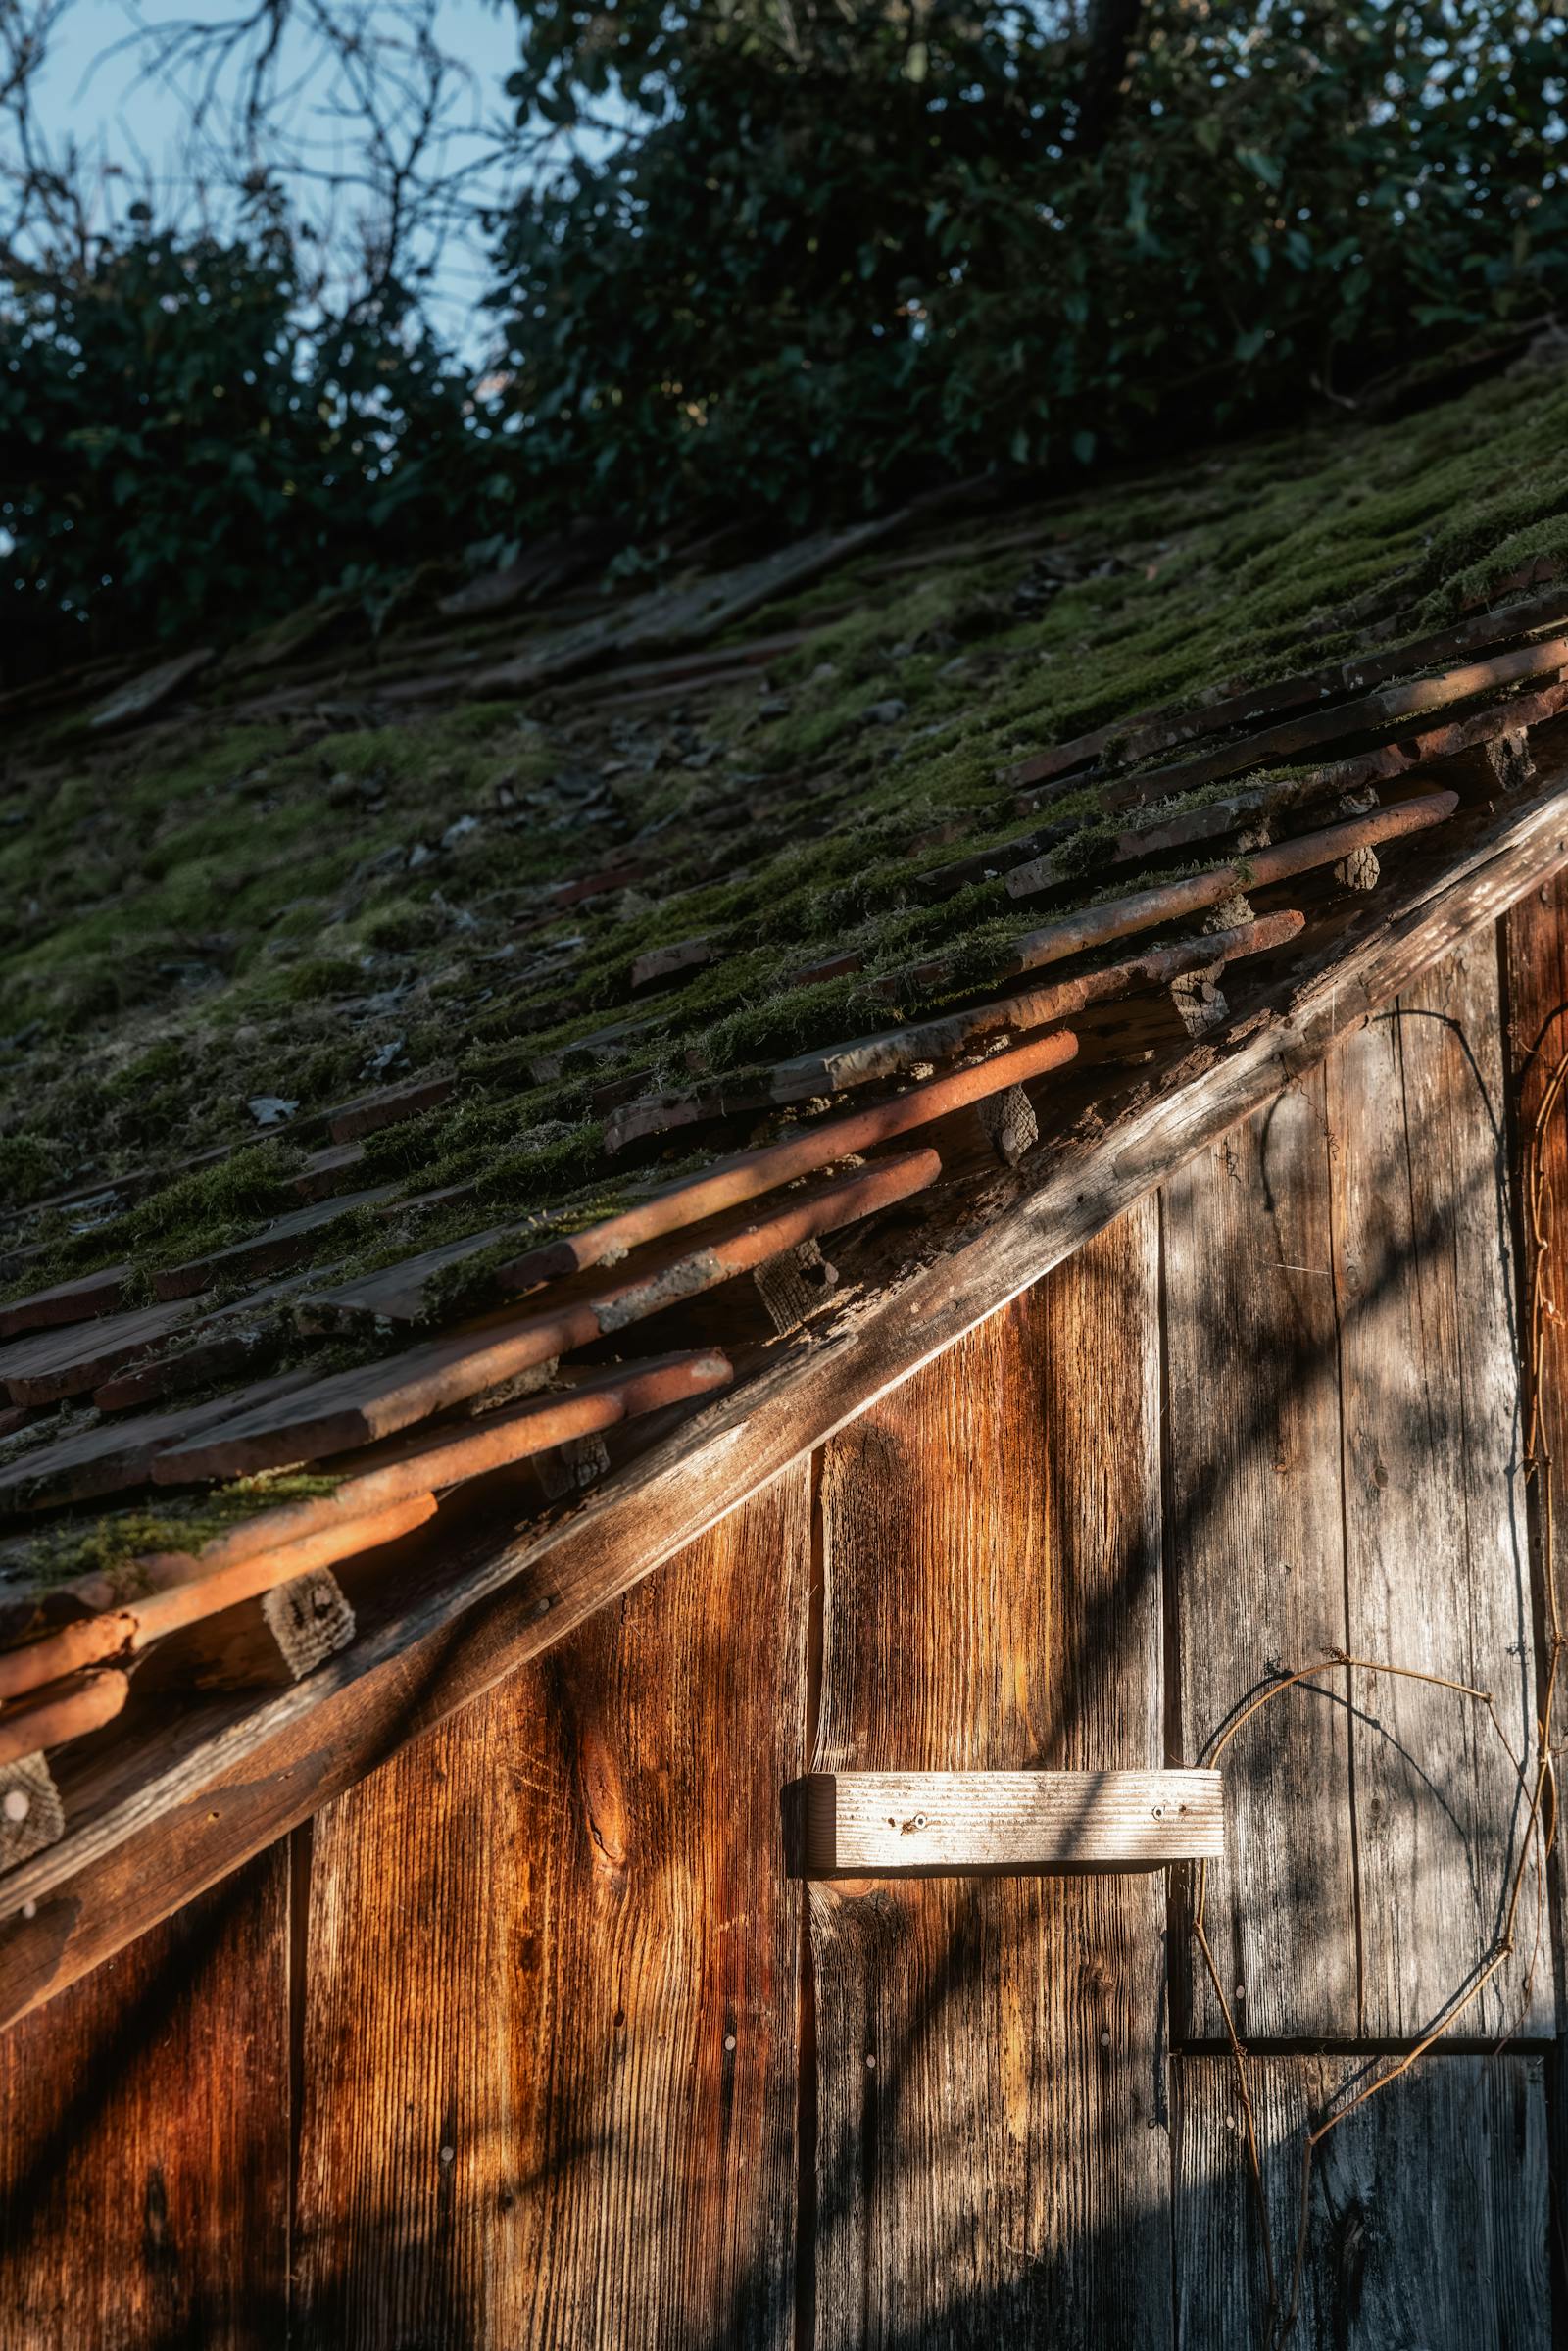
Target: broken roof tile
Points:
(145, 694)
(683, 614)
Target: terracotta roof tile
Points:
(775, 876)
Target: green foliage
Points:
(183, 447)
(825, 256)
(846, 251)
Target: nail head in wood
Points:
(859, 1822)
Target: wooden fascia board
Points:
(235, 1783)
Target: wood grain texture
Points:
(1428, 2208)
(1535, 943)
(991, 2152)
(550, 2036)
(145, 1848)
(910, 1820)
(30, 1812)
(1437, 1566)
(144, 2130)
(1256, 1544)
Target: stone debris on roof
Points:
(677, 953)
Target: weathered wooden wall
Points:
(532, 2039)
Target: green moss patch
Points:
(304, 910)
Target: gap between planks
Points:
(361, 1706)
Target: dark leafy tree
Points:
(832, 250)
(182, 450)
(786, 257)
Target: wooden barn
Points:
(781, 1362)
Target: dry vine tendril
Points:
(1536, 1773)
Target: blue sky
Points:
(96, 89)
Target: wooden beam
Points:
(154, 1833)
(265, 1644)
(859, 1822)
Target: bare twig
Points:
(1536, 1773)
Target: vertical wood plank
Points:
(1429, 2210)
(1437, 1556)
(554, 1981)
(1535, 960)
(144, 2139)
(993, 2161)
(1535, 939)
(1257, 1556)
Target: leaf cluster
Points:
(840, 252)
(184, 446)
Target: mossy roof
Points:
(349, 869)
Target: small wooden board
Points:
(64, 1360)
(282, 1242)
(368, 1113)
(108, 1455)
(78, 1301)
(864, 1821)
(393, 1293)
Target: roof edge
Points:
(240, 1778)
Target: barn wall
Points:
(532, 2040)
